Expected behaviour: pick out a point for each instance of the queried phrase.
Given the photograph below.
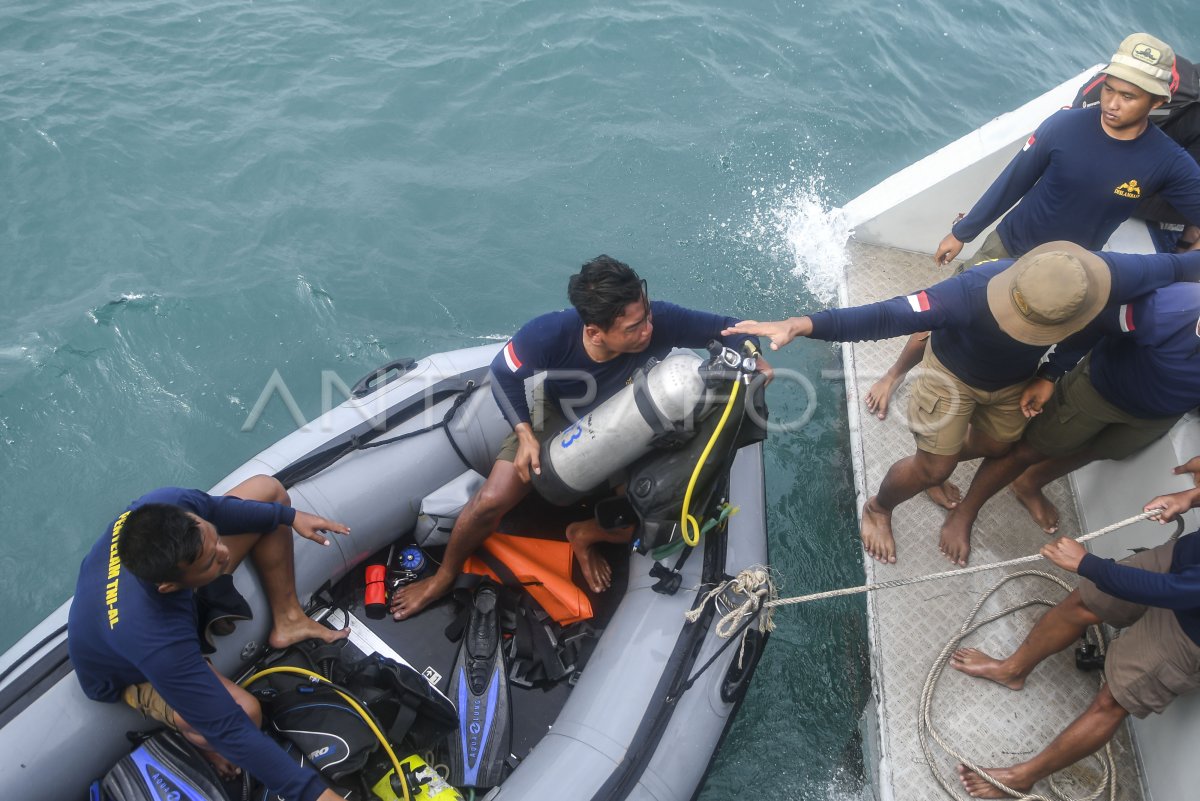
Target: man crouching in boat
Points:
(991, 326)
(1155, 596)
(132, 626)
(588, 353)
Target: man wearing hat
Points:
(1133, 386)
(1078, 177)
(991, 325)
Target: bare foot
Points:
(880, 395)
(291, 629)
(955, 541)
(1044, 513)
(946, 495)
(979, 787)
(583, 536)
(976, 663)
(411, 599)
(876, 532)
(597, 572)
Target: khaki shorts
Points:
(548, 420)
(992, 249)
(1078, 418)
(145, 699)
(941, 407)
(1153, 661)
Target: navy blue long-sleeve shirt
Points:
(1076, 183)
(1148, 362)
(554, 343)
(121, 631)
(966, 337)
(1178, 590)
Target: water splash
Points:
(815, 236)
(793, 223)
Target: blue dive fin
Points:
(479, 689)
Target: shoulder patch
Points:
(919, 302)
(1125, 313)
(1029, 142)
(510, 357)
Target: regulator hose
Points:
(367, 717)
(689, 525)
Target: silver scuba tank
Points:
(580, 458)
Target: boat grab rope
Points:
(746, 582)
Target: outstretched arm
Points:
(780, 332)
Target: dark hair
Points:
(602, 289)
(157, 539)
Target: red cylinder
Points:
(375, 597)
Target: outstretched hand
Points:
(310, 527)
(780, 332)
(1065, 552)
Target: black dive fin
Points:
(479, 689)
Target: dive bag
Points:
(325, 727)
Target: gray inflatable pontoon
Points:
(625, 730)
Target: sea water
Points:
(197, 195)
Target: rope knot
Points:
(747, 593)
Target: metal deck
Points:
(909, 626)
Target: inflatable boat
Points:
(640, 719)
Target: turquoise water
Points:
(196, 195)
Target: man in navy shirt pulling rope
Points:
(132, 629)
(1080, 175)
(1155, 594)
(991, 326)
(588, 353)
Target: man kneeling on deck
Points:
(991, 326)
(588, 353)
(1140, 378)
(1156, 595)
(132, 628)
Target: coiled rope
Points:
(926, 729)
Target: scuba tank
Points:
(661, 404)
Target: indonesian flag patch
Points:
(510, 357)
(1126, 317)
(1029, 142)
(919, 301)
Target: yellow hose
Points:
(361, 712)
(690, 526)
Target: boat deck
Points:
(909, 626)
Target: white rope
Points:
(926, 729)
(755, 585)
